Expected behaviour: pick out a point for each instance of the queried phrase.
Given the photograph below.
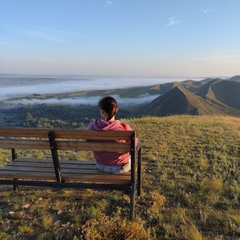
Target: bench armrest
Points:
(139, 145)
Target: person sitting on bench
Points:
(111, 162)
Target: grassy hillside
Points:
(191, 190)
(181, 101)
(221, 92)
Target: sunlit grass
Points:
(47, 221)
(26, 229)
(190, 189)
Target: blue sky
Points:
(175, 38)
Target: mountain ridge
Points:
(181, 101)
(205, 97)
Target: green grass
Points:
(191, 190)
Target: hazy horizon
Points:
(18, 89)
(22, 86)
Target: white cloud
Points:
(173, 21)
(63, 32)
(45, 35)
(206, 11)
(110, 2)
(53, 35)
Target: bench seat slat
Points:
(34, 160)
(82, 171)
(25, 164)
(96, 178)
(49, 168)
(73, 171)
(27, 169)
(79, 171)
(63, 163)
(28, 175)
(48, 162)
(69, 166)
(67, 177)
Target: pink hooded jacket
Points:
(109, 158)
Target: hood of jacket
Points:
(100, 124)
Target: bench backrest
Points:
(76, 140)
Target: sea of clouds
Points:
(81, 101)
(23, 86)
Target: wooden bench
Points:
(69, 173)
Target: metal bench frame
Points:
(70, 173)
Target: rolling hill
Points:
(220, 91)
(205, 97)
(181, 101)
(235, 78)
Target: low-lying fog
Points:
(15, 87)
(81, 100)
(21, 86)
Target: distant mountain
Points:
(181, 101)
(206, 97)
(192, 85)
(235, 78)
(220, 91)
(158, 89)
(176, 101)
(133, 92)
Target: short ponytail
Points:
(109, 105)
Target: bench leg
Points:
(15, 186)
(132, 202)
(139, 179)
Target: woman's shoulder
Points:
(126, 126)
(90, 126)
(93, 124)
(98, 124)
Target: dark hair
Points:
(109, 105)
